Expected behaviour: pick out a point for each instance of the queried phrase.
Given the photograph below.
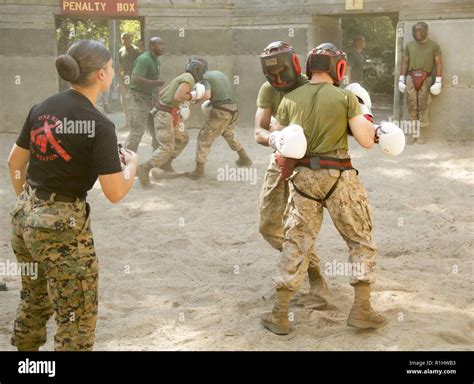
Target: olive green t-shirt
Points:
(269, 97)
(167, 97)
(147, 66)
(219, 84)
(323, 111)
(421, 55)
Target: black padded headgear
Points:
(281, 55)
(327, 58)
(197, 68)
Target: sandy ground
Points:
(183, 267)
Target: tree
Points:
(133, 28)
(379, 33)
(70, 30)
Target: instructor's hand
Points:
(128, 157)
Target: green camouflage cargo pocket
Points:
(59, 235)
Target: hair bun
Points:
(68, 68)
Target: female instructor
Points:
(64, 146)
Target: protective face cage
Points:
(327, 58)
(197, 68)
(281, 66)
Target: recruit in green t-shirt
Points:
(167, 95)
(269, 97)
(323, 110)
(421, 55)
(221, 89)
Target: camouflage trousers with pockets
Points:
(350, 212)
(418, 103)
(220, 123)
(139, 107)
(171, 139)
(272, 207)
(58, 238)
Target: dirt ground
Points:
(183, 266)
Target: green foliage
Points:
(379, 33)
(70, 30)
(133, 28)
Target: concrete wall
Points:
(230, 34)
(27, 54)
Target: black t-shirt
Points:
(70, 142)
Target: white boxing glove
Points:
(364, 99)
(401, 84)
(436, 87)
(391, 139)
(289, 142)
(184, 111)
(206, 108)
(198, 92)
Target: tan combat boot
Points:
(167, 166)
(143, 173)
(277, 320)
(318, 289)
(244, 159)
(362, 315)
(410, 139)
(421, 139)
(197, 173)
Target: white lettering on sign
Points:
(272, 61)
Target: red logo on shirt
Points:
(41, 137)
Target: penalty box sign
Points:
(103, 7)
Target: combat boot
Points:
(143, 173)
(167, 166)
(362, 315)
(421, 139)
(318, 289)
(277, 320)
(197, 173)
(410, 139)
(244, 160)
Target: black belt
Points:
(234, 114)
(46, 195)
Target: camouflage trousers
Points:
(171, 139)
(220, 123)
(58, 238)
(350, 213)
(139, 107)
(272, 206)
(418, 109)
(123, 92)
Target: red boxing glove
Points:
(286, 166)
(369, 117)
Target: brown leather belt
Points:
(314, 162)
(164, 108)
(173, 111)
(324, 162)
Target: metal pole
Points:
(397, 100)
